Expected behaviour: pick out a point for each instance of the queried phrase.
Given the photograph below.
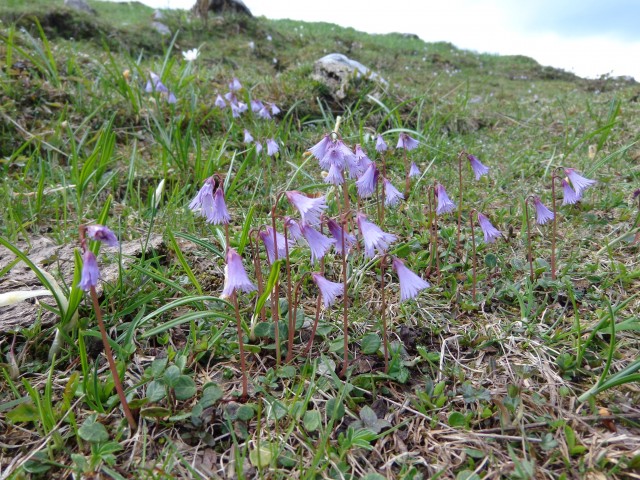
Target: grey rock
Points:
(202, 7)
(80, 5)
(161, 28)
(337, 70)
(158, 15)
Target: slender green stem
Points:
(243, 365)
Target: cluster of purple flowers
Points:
(209, 202)
(155, 85)
(90, 273)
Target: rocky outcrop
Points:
(336, 71)
(80, 5)
(203, 7)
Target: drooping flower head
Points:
(218, 214)
(478, 168)
(264, 113)
(328, 289)
(406, 142)
(333, 156)
(220, 103)
(102, 234)
(310, 208)
(319, 150)
(381, 145)
(210, 204)
(155, 85)
(543, 214)
(318, 243)
(256, 106)
(410, 283)
(235, 85)
(293, 229)
(363, 160)
(489, 231)
(272, 147)
(337, 233)
(334, 176)
(90, 271)
(373, 236)
(274, 109)
(267, 238)
(258, 147)
(366, 184)
(570, 196)
(445, 204)
(392, 195)
(578, 182)
(414, 171)
(248, 138)
(235, 276)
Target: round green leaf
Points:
(93, 431)
(156, 390)
(311, 420)
(185, 387)
(370, 343)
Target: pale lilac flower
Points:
(406, 142)
(235, 85)
(211, 205)
(410, 283)
(242, 107)
(258, 147)
(235, 110)
(414, 171)
(248, 138)
(392, 195)
(578, 182)
(381, 145)
(274, 109)
(264, 113)
(366, 184)
(102, 234)
(220, 103)
(203, 200)
(543, 214)
(334, 176)
(363, 160)
(231, 97)
(272, 147)
(154, 84)
(329, 290)
(333, 156)
(319, 150)
(570, 197)
(445, 204)
(235, 276)
(336, 233)
(218, 214)
(191, 55)
(310, 208)
(373, 236)
(478, 168)
(256, 106)
(293, 228)
(171, 98)
(489, 231)
(318, 243)
(267, 239)
(354, 166)
(90, 271)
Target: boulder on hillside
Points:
(203, 7)
(336, 71)
(161, 28)
(80, 5)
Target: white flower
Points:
(191, 55)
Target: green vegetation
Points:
(532, 378)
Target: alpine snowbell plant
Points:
(406, 143)
(88, 281)
(236, 278)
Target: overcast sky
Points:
(587, 37)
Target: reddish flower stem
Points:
(112, 364)
(475, 261)
(383, 314)
(243, 365)
(345, 322)
(459, 197)
(554, 231)
(526, 214)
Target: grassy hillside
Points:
(520, 360)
